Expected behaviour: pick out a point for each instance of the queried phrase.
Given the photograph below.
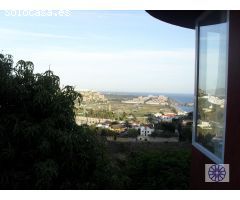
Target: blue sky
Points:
(105, 50)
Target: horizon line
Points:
(112, 91)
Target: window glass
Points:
(212, 65)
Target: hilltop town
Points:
(151, 100)
(90, 96)
(139, 116)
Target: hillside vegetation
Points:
(41, 147)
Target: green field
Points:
(116, 106)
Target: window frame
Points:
(197, 145)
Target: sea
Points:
(181, 98)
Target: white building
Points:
(204, 125)
(158, 114)
(145, 131)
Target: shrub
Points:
(159, 170)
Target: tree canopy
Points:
(40, 144)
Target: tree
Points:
(41, 147)
(133, 133)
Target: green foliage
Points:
(187, 133)
(166, 126)
(158, 170)
(41, 147)
(123, 116)
(105, 132)
(132, 133)
(100, 114)
(164, 134)
(151, 118)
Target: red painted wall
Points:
(232, 137)
(198, 174)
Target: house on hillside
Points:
(119, 128)
(167, 117)
(146, 131)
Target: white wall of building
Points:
(145, 131)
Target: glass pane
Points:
(211, 82)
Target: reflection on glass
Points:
(211, 82)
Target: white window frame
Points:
(197, 145)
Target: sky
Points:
(213, 58)
(122, 51)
